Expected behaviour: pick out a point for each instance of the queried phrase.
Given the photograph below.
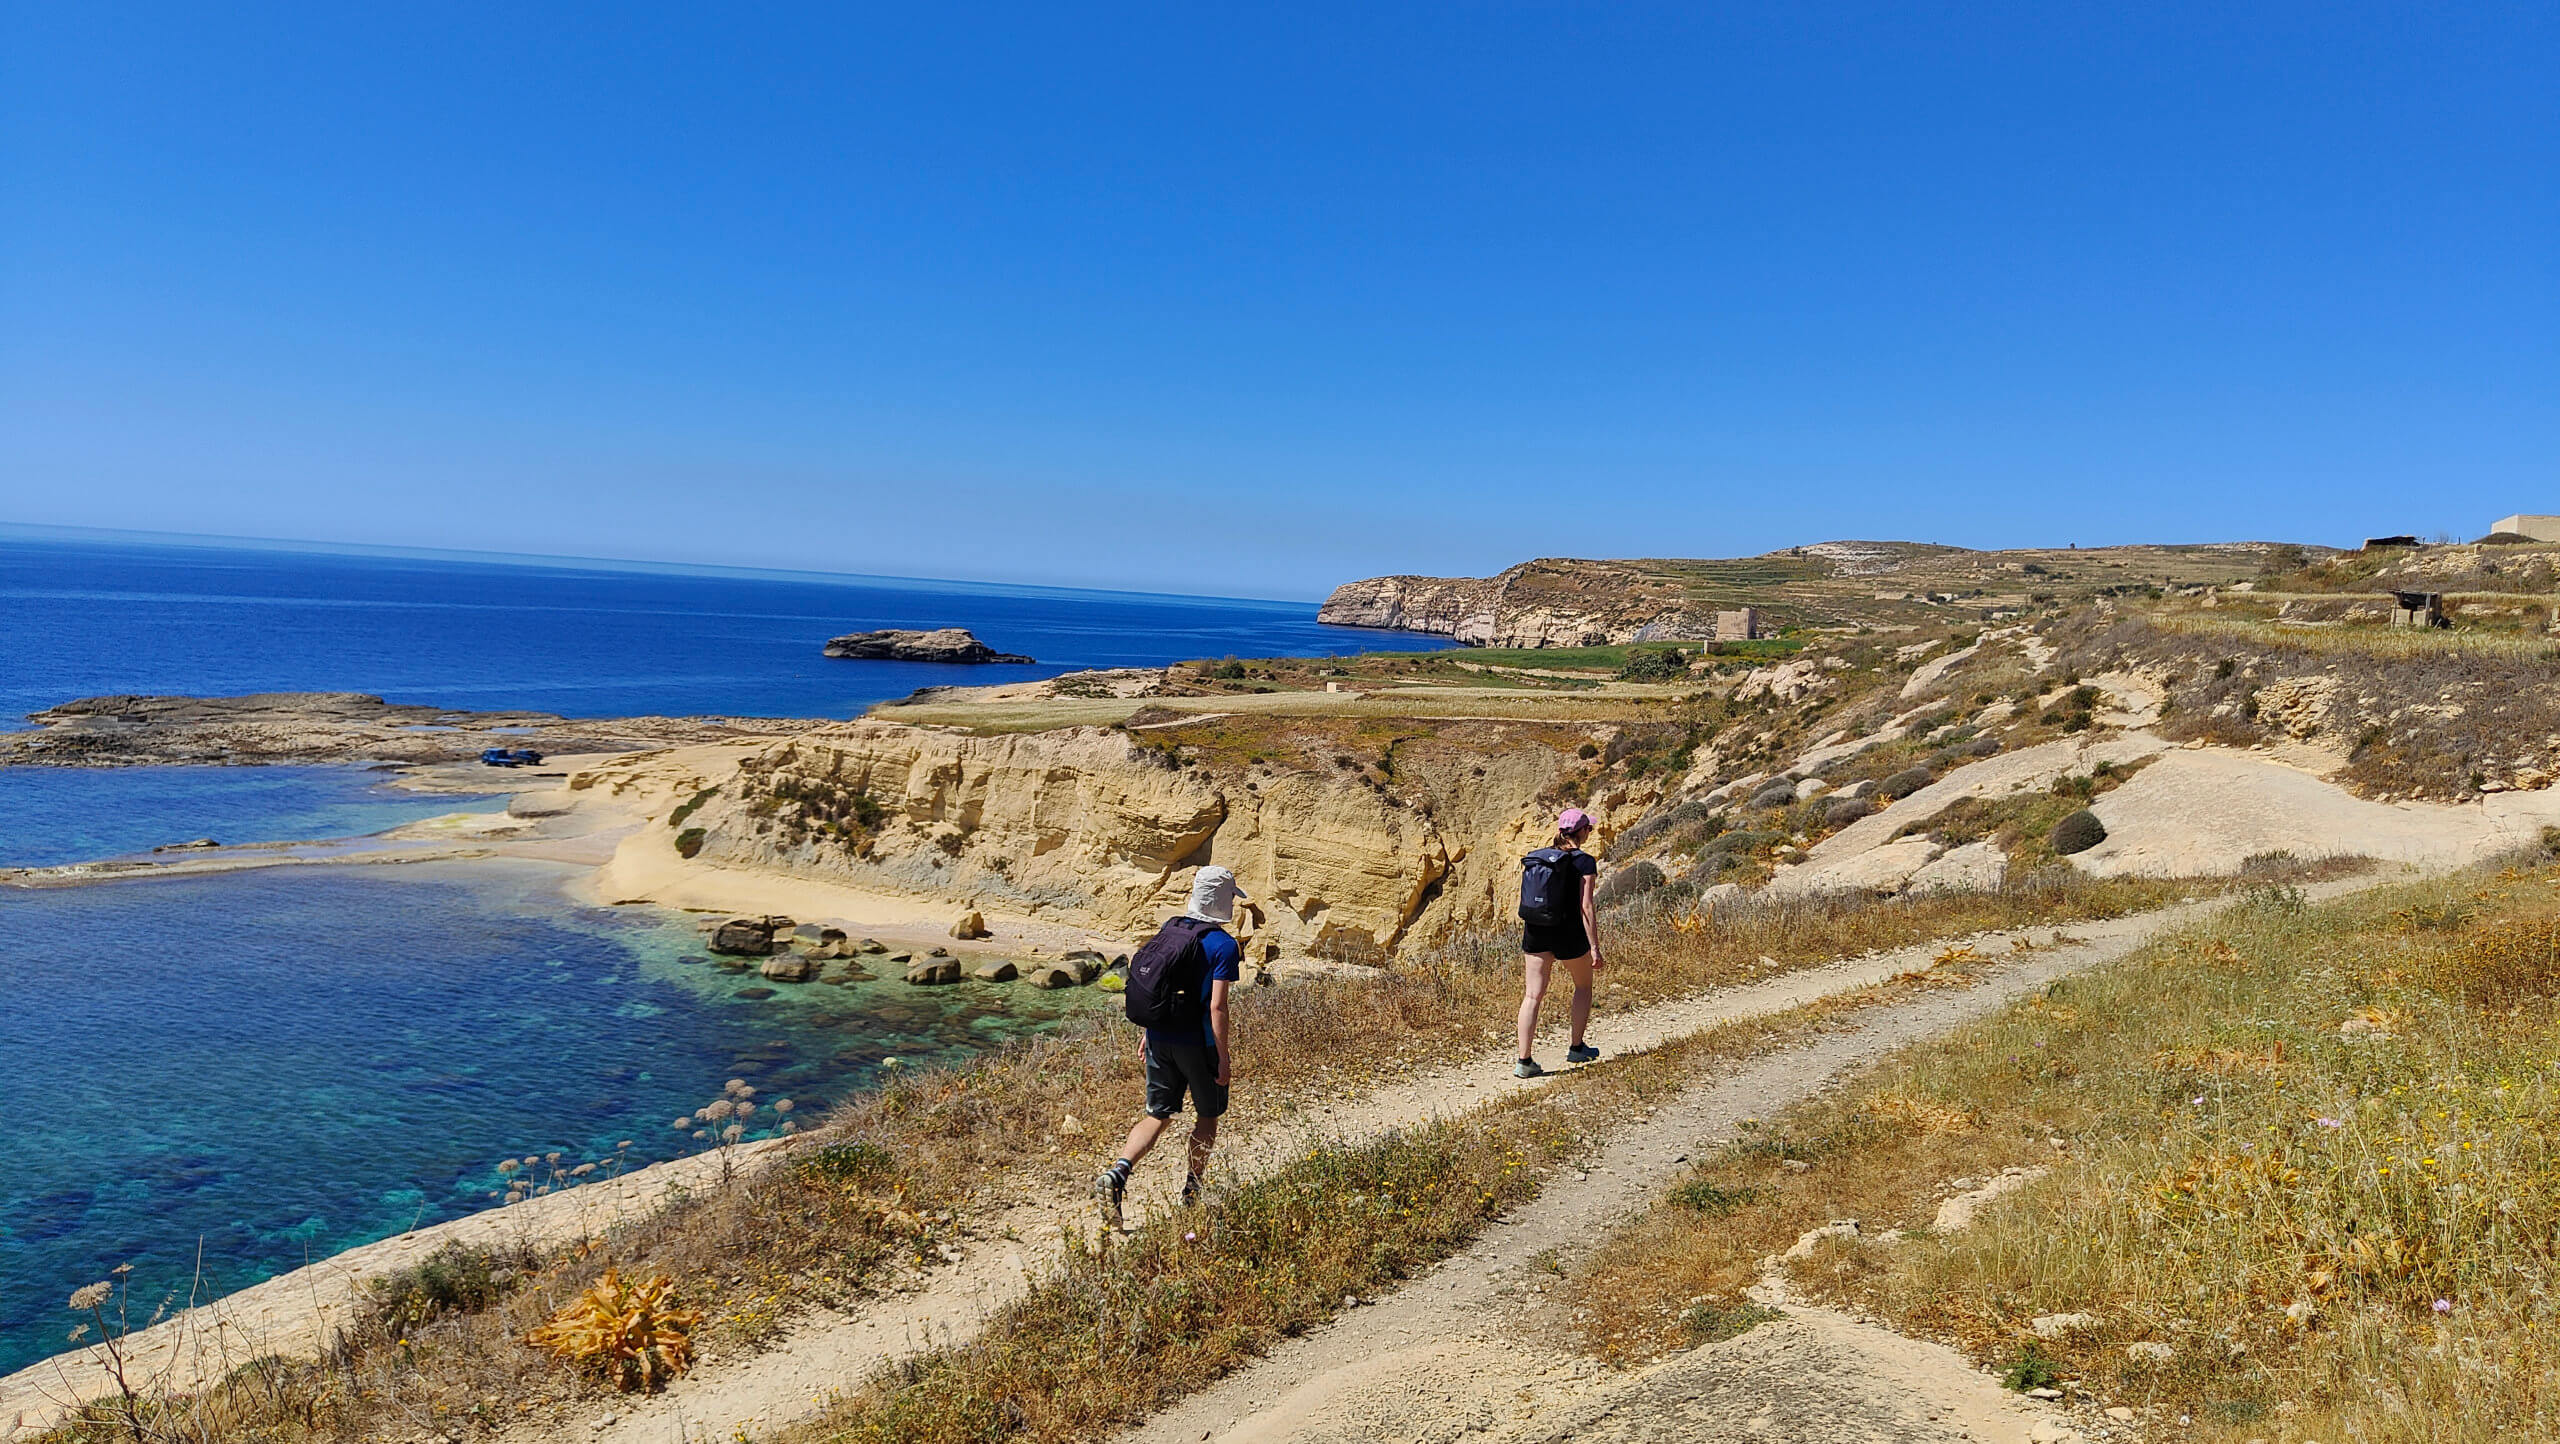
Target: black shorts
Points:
(1173, 1069)
(1566, 940)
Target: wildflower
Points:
(782, 1105)
(90, 1296)
(77, 1333)
(2444, 1306)
(2328, 1122)
(681, 1124)
(1191, 1238)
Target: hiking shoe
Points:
(1527, 1068)
(1191, 1191)
(1107, 1188)
(1582, 1053)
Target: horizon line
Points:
(642, 566)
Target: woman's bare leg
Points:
(1533, 991)
(1579, 969)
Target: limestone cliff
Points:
(1355, 846)
(1546, 603)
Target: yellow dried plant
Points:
(627, 1333)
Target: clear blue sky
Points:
(1253, 300)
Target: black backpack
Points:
(1168, 979)
(1550, 889)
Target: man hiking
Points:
(1557, 925)
(1177, 991)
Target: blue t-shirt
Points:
(1226, 965)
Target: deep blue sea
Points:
(82, 619)
(263, 1068)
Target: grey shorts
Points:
(1174, 1069)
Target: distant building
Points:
(2540, 528)
(1738, 626)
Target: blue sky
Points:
(1254, 300)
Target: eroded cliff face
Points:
(1547, 603)
(1354, 848)
(1460, 607)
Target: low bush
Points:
(689, 842)
(1846, 810)
(1626, 884)
(2078, 832)
(1904, 783)
(453, 1279)
(1775, 794)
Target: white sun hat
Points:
(1214, 895)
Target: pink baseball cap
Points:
(1572, 819)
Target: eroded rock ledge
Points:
(292, 727)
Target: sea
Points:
(218, 1078)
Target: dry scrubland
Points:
(2308, 1149)
(867, 1195)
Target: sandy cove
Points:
(605, 832)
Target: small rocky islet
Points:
(940, 644)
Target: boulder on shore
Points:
(1053, 976)
(998, 971)
(970, 926)
(788, 967)
(942, 644)
(744, 937)
(934, 970)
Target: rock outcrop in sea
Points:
(942, 644)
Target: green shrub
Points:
(1846, 810)
(1655, 665)
(1904, 783)
(2078, 832)
(1776, 794)
(677, 817)
(451, 1280)
(1711, 1198)
(689, 842)
(1628, 883)
(854, 1163)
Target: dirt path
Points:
(1472, 1349)
(830, 1352)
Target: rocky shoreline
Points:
(268, 728)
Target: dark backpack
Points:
(1550, 888)
(1168, 979)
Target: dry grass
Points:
(1124, 1328)
(2310, 1150)
(888, 1175)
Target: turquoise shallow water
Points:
(52, 815)
(273, 1066)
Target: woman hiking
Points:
(1557, 926)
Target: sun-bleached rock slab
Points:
(2197, 813)
(1877, 870)
(1974, 867)
(2010, 772)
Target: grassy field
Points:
(2303, 1156)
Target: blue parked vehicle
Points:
(509, 757)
